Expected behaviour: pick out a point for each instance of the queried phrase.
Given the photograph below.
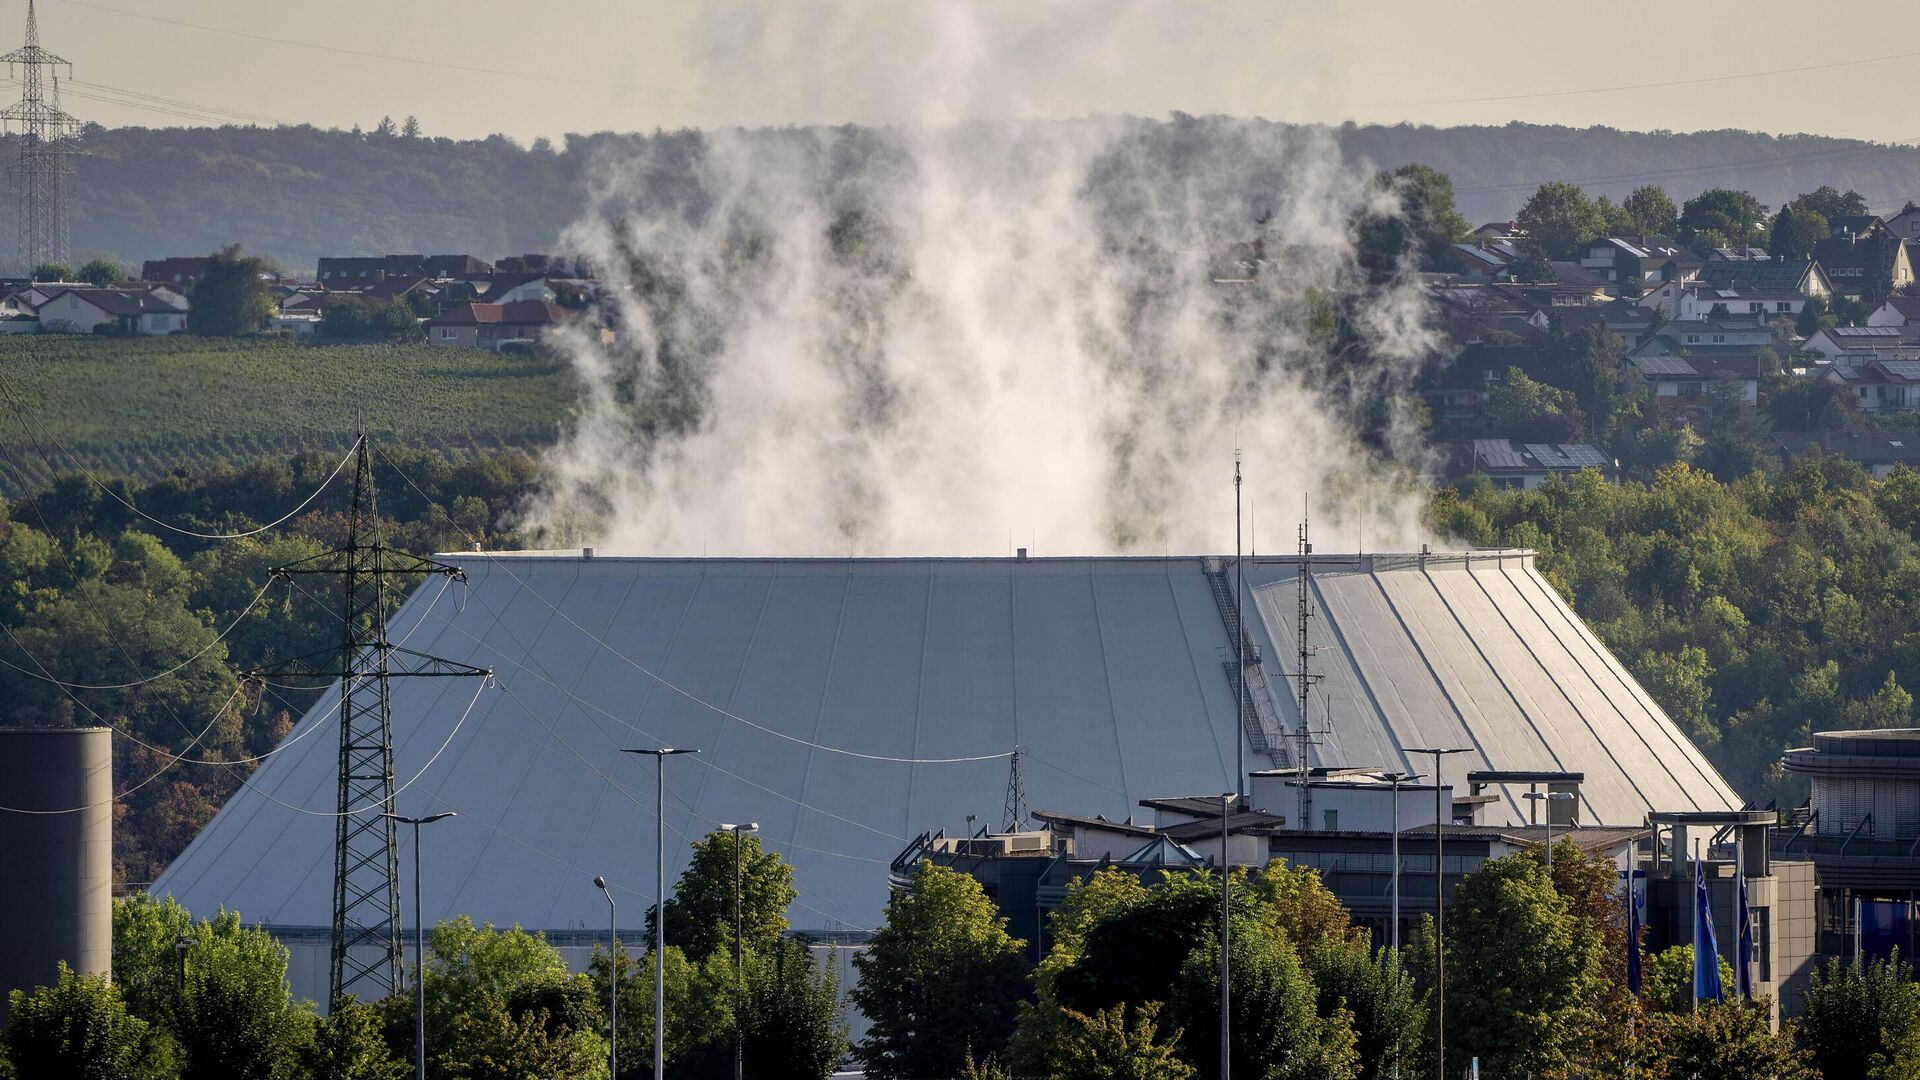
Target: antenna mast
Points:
(37, 175)
(1304, 677)
(1239, 642)
(366, 860)
(1016, 812)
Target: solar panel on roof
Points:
(1498, 454)
(1547, 455)
(1865, 331)
(1901, 369)
(1585, 457)
(1666, 365)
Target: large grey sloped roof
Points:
(802, 681)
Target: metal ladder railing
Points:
(1258, 717)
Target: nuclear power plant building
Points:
(848, 705)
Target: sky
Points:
(531, 70)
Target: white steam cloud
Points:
(955, 337)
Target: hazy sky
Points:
(531, 69)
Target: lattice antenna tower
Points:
(1016, 812)
(37, 175)
(1304, 676)
(366, 953)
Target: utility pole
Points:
(38, 173)
(1239, 641)
(366, 960)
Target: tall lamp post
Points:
(613, 981)
(1549, 797)
(1393, 932)
(1226, 964)
(660, 756)
(739, 930)
(1439, 907)
(419, 944)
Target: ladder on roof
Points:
(1258, 717)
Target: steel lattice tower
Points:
(38, 172)
(366, 960)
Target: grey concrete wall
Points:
(56, 844)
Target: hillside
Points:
(144, 407)
(294, 193)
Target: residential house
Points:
(358, 272)
(1879, 452)
(1767, 282)
(1832, 342)
(1527, 465)
(1647, 259)
(1459, 390)
(1849, 258)
(1482, 260)
(1897, 311)
(1880, 382)
(1856, 225)
(515, 288)
(1471, 311)
(1740, 254)
(88, 310)
(1701, 300)
(182, 272)
(1906, 223)
(489, 326)
(1622, 317)
(1683, 358)
(1494, 231)
(1804, 276)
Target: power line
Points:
(157, 676)
(162, 771)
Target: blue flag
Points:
(1706, 951)
(1743, 966)
(1633, 937)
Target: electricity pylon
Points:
(38, 172)
(366, 861)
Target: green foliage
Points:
(698, 1010)
(1423, 230)
(700, 913)
(1525, 976)
(52, 271)
(1795, 230)
(236, 1018)
(1856, 1016)
(102, 271)
(79, 1029)
(1526, 410)
(1667, 979)
(231, 299)
(1652, 211)
(939, 980)
(146, 960)
(201, 402)
(350, 1044)
(789, 1016)
(1276, 1031)
(359, 318)
(1113, 1045)
(500, 1004)
(1387, 1004)
(1728, 1039)
(1828, 203)
(1722, 218)
(1559, 218)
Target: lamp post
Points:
(1393, 932)
(1439, 908)
(613, 982)
(739, 930)
(180, 946)
(660, 756)
(1226, 965)
(1549, 797)
(419, 944)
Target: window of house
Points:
(1719, 339)
(1783, 305)
(1755, 306)
(1693, 339)
(1689, 389)
(446, 333)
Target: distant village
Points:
(457, 300)
(1823, 349)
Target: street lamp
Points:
(419, 944)
(1549, 797)
(1439, 907)
(613, 983)
(1226, 937)
(180, 946)
(660, 755)
(739, 929)
(1396, 779)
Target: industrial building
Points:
(850, 705)
(1860, 826)
(56, 834)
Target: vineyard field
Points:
(143, 407)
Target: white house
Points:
(87, 310)
(1897, 311)
(1833, 342)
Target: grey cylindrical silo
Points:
(56, 889)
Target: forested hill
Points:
(293, 193)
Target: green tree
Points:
(1559, 217)
(1854, 1013)
(146, 932)
(231, 299)
(1277, 1032)
(1614, 220)
(102, 271)
(1652, 211)
(700, 911)
(1120, 1044)
(410, 129)
(79, 1029)
(1736, 216)
(358, 318)
(1525, 410)
(1526, 975)
(1726, 1039)
(699, 1012)
(1388, 1005)
(350, 1044)
(501, 1004)
(789, 1016)
(52, 271)
(236, 1018)
(1532, 266)
(1424, 228)
(1828, 203)
(1795, 230)
(940, 978)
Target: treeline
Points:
(1129, 989)
(98, 595)
(294, 193)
